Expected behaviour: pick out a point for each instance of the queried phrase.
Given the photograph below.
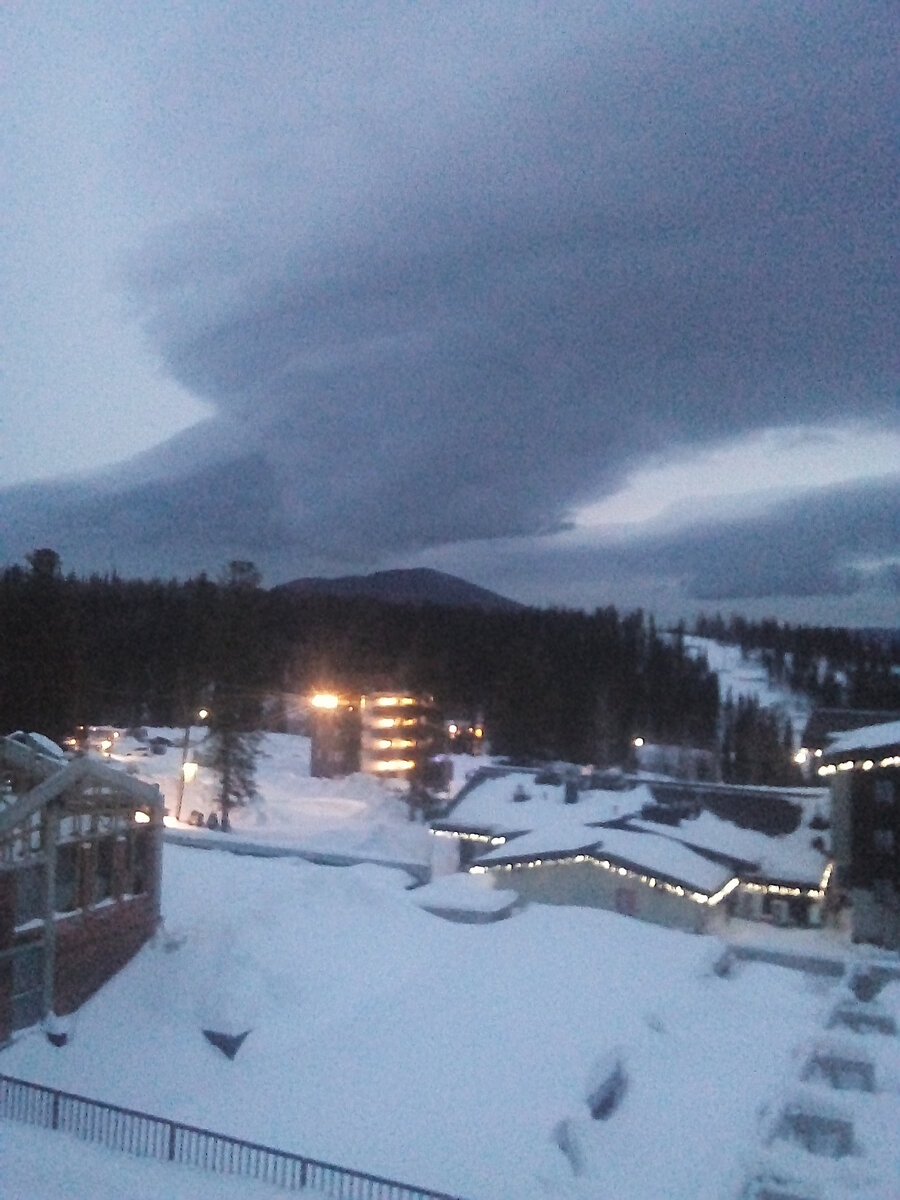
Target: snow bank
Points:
(442, 1054)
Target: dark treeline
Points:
(836, 668)
(549, 683)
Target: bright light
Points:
(452, 729)
(638, 741)
(385, 723)
(393, 701)
(818, 753)
(395, 764)
(325, 700)
(106, 744)
(801, 757)
(170, 822)
(189, 771)
(203, 714)
(141, 818)
(479, 733)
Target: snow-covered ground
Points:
(452, 1056)
(36, 1164)
(358, 815)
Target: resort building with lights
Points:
(400, 734)
(674, 840)
(387, 734)
(80, 873)
(863, 769)
(826, 724)
(636, 874)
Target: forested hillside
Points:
(548, 683)
(836, 668)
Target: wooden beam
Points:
(51, 835)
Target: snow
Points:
(37, 1164)
(786, 857)
(869, 737)
(651, 853)
(355, 817)
(448, 1055)
(384, 1038)
(464, 893)
(748, 677)
(490, 805)
(40, 743)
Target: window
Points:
(883, 840)
(141, 851)
(103, 870)
(28, 965)
(29, 894)
(884, 792)
(67, 877)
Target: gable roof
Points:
(824, 723)
(53, 777)
(883, 736)
(647, 852)
(488, 804)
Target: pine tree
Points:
(236, 705)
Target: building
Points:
(863, 768)
(381, 733)
(334, 728)
(465, 735)
(827, 724)
(678, 762)
(400, 734)
(80, 869)
(633, 873)
(766, 846)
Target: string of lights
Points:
(773, 889)
(865, 764)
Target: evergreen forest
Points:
(548, 683)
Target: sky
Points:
(591, 303)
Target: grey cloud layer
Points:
(665, 232)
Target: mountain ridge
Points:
(413, 585)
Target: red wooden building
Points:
(80, 868)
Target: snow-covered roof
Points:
(39, 742)
(869, 737)
(464, 893)
(651, 853)
(785, 857)
(490, 805)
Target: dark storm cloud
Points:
(833, 541)
(676, 232)
(668, 241)
(831, 555)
